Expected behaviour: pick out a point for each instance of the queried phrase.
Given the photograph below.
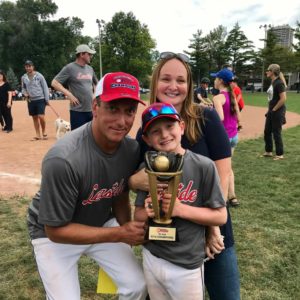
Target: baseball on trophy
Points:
(161, 163)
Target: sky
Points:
(172, 23)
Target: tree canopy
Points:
(27, 31)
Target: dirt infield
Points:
(20, 158)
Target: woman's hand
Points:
(214, 242)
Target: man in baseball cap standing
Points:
(83, 205)
(80, 79)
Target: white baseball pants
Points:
(57, 265)
(166, 281)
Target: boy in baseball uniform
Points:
(174, 269)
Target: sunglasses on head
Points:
(158, 109)
(181, 56)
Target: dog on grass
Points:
(61, 127)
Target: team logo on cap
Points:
(122, 82)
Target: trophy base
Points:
(162, 233)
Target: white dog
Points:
(61, 127)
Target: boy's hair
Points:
(158, 111)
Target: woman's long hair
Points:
(231, 98)
(191, 112)
(3, 74)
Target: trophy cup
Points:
(166, 168)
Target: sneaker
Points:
(267, 154)
(278, 157)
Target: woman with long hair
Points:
(275, 116)
(204, 134)
(227, 107)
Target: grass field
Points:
(266, 226)
(260, 99)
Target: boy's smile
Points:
(165, 135)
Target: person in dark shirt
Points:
(204, 134)
(275, 116)
(202, 93)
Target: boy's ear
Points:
(182, 127)
(146, 140)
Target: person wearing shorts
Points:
(35, 89)
(226, 106)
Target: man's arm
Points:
(122, 209)
(200, 97)
(59, 87)
(131, 233)
(45, 88)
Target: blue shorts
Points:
(36, 107)
(234, 141)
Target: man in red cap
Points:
(83, 205)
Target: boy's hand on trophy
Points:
(166, 202)
(149, 207)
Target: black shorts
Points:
(36, 107)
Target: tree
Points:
(128, 47)
(12, 79)
(216, 49)
(198, 57)
(239, 49)
(27, 33)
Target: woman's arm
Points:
(9, 102)
(280, 102)
(218, 104)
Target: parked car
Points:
(144, 91)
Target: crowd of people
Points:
(83, 207)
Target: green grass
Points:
(260, 99)
(266, 227)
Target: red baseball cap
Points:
(116, 86)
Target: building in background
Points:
(284, 35)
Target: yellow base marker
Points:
(105, 284)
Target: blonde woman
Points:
(270, 89)
(275, 116)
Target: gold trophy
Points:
(165, 168)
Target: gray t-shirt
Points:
(200, 187)
(79, 80)
(80, 182)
